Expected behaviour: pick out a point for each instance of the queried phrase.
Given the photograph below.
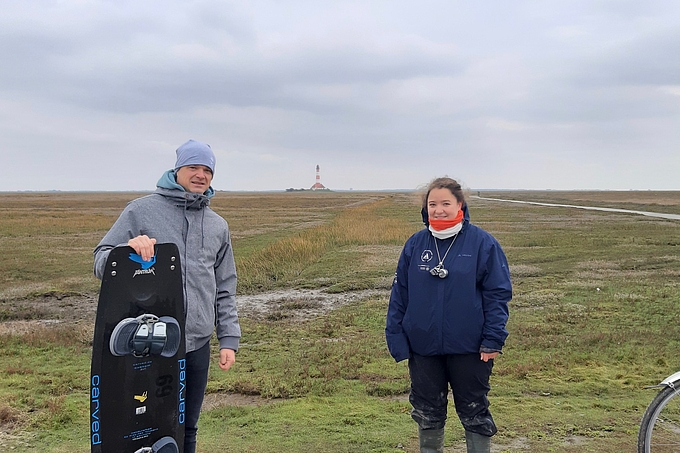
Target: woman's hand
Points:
(486, 356)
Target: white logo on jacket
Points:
(426, 256)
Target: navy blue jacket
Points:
(460, 314)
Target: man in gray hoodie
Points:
(178, 212)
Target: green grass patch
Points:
(593, 321)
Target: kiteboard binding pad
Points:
(163, 445)
(137, 381)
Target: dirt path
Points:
(591, 208)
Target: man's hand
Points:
(144, 246)
(227, 358)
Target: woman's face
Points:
(442, 204)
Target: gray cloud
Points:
(130, 64)
(381, 94)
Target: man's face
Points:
(194, 178)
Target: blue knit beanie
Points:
(195, 153)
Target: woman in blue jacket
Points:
(447, 315)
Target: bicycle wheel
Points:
(660, 426)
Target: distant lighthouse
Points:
(317, 185)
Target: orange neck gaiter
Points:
(442, 224)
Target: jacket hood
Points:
(167, 186)
(426, 219)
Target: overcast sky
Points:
(97, 95)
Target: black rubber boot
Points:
(476, 443)
(431, 440)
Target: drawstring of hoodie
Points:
(202, 229)
(185, 235)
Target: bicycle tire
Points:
(660, 425)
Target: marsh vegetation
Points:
(593, 321)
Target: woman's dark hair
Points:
(444, 183)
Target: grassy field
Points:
(593, 321)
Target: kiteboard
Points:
(138, 379)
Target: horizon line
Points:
(344, 190)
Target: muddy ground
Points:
(21, 316)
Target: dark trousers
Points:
(198, 362)
(468, 377)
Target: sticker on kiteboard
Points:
(138, 373)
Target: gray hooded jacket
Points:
(171, 214)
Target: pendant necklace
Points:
(439, 270)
